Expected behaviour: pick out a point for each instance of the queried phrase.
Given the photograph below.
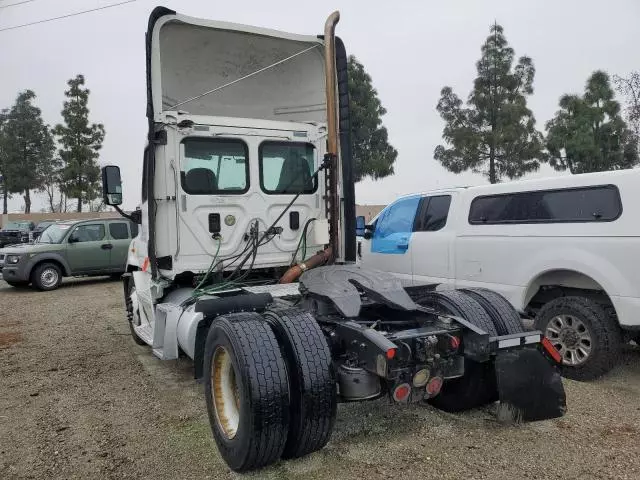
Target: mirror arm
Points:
(133, 217)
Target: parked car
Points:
(40, 227)
(70, 248)
(563, 250)
(16, 232)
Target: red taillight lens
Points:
(401, 392)
(391, 353)
(454, 342)
(551, 350)
(434, 386)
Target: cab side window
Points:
(394, 227)
(433, 213)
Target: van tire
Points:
(245, 378)
(505, 318)
(603, 328)
(478, 385)
(46, 276)
(312, 382)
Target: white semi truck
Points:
(245, 260)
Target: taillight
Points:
(454, 342)
(401, 392)
(434, 386)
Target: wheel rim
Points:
(49, 277)
(571, 337)
(224, 393)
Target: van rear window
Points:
(582, 204)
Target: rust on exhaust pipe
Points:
(316, 260)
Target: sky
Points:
(411, 49)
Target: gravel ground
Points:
(78, 399)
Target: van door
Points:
(432, 242)
(391, 246)
(88, 248)
(119, 233)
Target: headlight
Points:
(12, 259)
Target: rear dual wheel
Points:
(494, 314)
(269, 387)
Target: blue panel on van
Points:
(393, 228)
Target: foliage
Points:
(494, 134)
(374, 156)
(27, 147)
(81, 142)
(629, 87)
(588, 133)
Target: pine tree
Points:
(27, 148)
(495, 133)
(81, 143)
(374, 156)
(588, 133)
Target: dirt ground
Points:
(78, 399)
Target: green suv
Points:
(72, 248)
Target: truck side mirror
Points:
(360, 223)
(111, 185)
(368, 231)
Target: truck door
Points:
(391, 246)
(432, 242)
(120, 240)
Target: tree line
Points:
(494, 133)
(59, 161)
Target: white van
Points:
(564, 250)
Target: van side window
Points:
(582, 204)
(134, 229)
(393, 228)
(433, 214)
(118, 230)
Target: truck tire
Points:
(129, 306)
(505, 318)
(586, 335)
(246, 390)
(312, 383)
(46, 276)
(478, 385)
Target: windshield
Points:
(53, 234)
(43, 225)
(16, 226)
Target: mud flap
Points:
(529, 386)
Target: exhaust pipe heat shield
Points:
(529, 386)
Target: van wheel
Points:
(505, 318)
(588, 338)
(133, 318)
(246, 390)
(46, 276)
(312, 382)
(478, 385)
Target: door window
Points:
(434, 213)
(118, 230)
(393, 228)
(88, 233)
(287, 168)
(134, 229)
(214, 166)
